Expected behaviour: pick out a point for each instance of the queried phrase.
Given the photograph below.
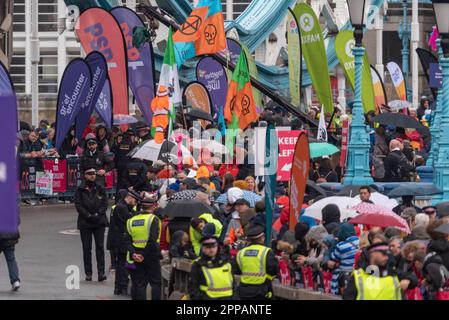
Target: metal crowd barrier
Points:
(66, 177)
(181, 270)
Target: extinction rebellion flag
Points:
(202, 33)
(240, 96)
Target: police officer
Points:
(121, 157)
(135, 175)
(120, 213)
(211, 276)
(93, 158)
(257, 266)
(142, 240)
(143, 133)
(376, 282)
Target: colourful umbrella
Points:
(379, 216)
(320, 149)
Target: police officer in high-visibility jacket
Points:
(376, 282)
(211, 276)
(120, 213)
(257, 266)
(142, 240)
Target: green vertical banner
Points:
(270, 171)
(314, 53)
(294, 59)
(344, 42)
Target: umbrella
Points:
(444, 228)
(120, 119)
(353, 190)
(399, 104)
(249, 196)
(166, 151)
(420, 189)
(380, 216)
(212, 145)
(381, 199)
(186, 209)
(344, 204)
(184, 195)
(314, 190)
(397, 119)
(319, 149)
(200, 114)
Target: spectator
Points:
(342, 258)
(439, 243)
(397, 167)
(331, 217)
(181, 247)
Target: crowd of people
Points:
(228, 239)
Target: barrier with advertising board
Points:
(58, 177)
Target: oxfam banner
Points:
(344, 42)
(73, 91)
(294, 59)
(314, 53)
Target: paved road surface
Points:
(43, 254)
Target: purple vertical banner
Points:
(99, 70)
(73, 91)
(6, 86)
(213, 76)
(140, 61)
(104, 104)
(233, 50)
(8, 163)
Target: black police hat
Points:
(254, 231)
(134, 194)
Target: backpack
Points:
(404, 168)
(379, 167)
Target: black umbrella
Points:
(352, 191)
(397, 119)
(314, 190)
(186, 209)
(444, 228)
(200, 114)
(414, 190)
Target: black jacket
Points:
(441, 248)
(435, 273)
(177, 250)
(8, 239)
(91, 205)
(394, 161)
(117, 228)
(95, 160)
(135, 176)
(197, 277)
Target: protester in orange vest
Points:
(160, 106)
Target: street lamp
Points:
(404, 35)
(358, 172)
(441, 176)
